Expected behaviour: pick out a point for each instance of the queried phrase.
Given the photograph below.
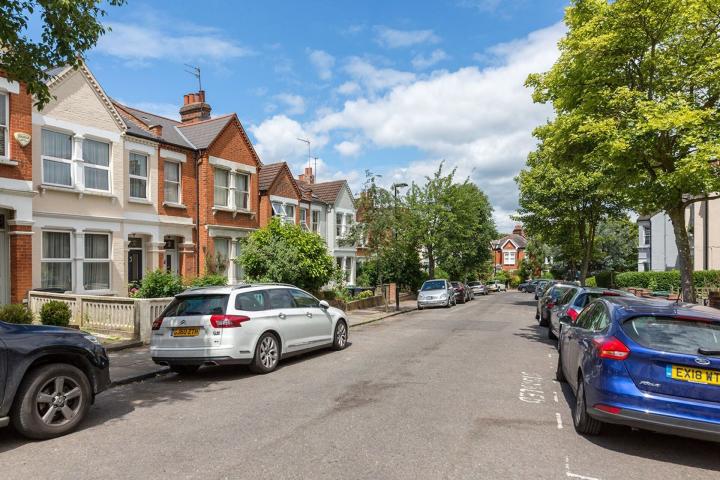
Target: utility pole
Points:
(395, 188)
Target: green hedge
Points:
(666, 280)
(590, 282)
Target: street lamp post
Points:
(395, 187)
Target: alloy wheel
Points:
(59, 401)
(268, 352)
(341, 335)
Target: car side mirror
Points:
(324, 304)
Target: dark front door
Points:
(135, 269)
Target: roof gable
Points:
(272, 174)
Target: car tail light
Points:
(610, 294)
(157, 323)
(607, 408)
(612, 348)
(550, 304)
(573, 314)
(227, 321)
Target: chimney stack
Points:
(194, 108)
(307, 176)
(519, 230)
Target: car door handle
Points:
(282, 316)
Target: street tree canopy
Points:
(640, 80)
(69, 29)
(285, 253)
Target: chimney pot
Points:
(201, 94)
(186, 99)
(194, 108)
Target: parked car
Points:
(436, 293)
(574, 302)
(496, 286)
(542, 287)
(478, 288)
(528, 287)
(251, 324)
(550, 298)
(49, 377)
(649, 364)
(463, 294)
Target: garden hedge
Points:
(669, 280)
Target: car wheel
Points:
(184, 369)
(340, 337)
(559, 374)
(267, 354)
(52, 401)
(544, 321)
(584, 423)
(551, 335)
(420, 307)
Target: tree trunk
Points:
(431, 263)
(677, 217)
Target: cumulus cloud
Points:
(393, 38)
(277, 139)
(138, 43)
(376, 79)
(323, 63)
(422, 62)
(349, 88)
(295, 104)
(348, 148)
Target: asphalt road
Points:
(460, 393)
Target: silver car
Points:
(436, 293)
(256, 325)
(478, 288)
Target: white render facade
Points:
(340, 217)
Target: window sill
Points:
(97, 193)
(234, 211)
(174, 205)
(7, 161)
(58, 188)
(218, 208)
(141, 201)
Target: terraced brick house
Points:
(509, 250)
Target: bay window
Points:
(290, 213)
(56, 158)
(172, 181)
(222, 188)
(304, 218)
(339, 227)
(97, 164)
(96, 264)
(56, 261)
(242, 191)
(4, 122)
(278, 210)
(222, 253)
(138, 175)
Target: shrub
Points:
(548, 276)
(669, 280)
(56, 313)
(16, 313)
(365, 294)
(209, 280)
(590, 282)
(159, 284)
(604, 279)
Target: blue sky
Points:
(394, 87)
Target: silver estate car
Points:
(436, 293)
(256, 325)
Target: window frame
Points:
(177, 184)
(96, 166)
(339, 226)
(5, 154)
(68, 260)
(293, 291)
(226, 189)
(68, 161)
(315, 225)
(132, 176)
(289, 218)
(507, 253)
(245, 193)
(107, 260)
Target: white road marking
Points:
(555, 397)
(559, 421)
(569, 474)
(531, 388)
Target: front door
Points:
(4, 262)
(134, 266)
(171, 257)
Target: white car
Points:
(256, 325)
(495, 286)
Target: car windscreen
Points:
(674, 335)
(433, 285)
(196, 305)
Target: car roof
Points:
(626, 307)
(621, 293)
(226, 290)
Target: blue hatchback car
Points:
(649, 364)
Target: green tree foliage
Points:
(453, 224)
(69, 29)
(639, 82)
(285, 253)
(616, 245)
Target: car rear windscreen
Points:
(673, 335)
(193, 305)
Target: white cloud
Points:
(392, 38)
(138, 43)
(348, 148)
(422, 62)
(277, 139)
(295, 103)
(376, 79)
(348, 88)
(323, 63)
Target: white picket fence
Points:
(124, 316)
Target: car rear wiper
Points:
(707, 351)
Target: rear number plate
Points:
(693, 375)
(186, 332)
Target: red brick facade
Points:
(282, 186)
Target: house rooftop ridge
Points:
(199, 122)
(122, 105)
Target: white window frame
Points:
(99, 167)
(139, 177)
(6, 126)
(289, 217)
(68, 161)
(507, 254)
(304, 214)
(339, 226)
(69, 259)
(244, 193)
(98, 260)
(228, 198)
(315, 226)
(178, 183)
(278, 210)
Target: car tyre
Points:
(559, 373)
(340, 337)
(58, 386)
(544, 321)
(551, 335)
(267, 354)
(184, 369)
(420, 307)
(584, 423)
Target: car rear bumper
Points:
(661, 423)
(199, 356)
(170, 361)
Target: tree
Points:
(640, 80)
(617, 245)
(285, 253)
(69, 29)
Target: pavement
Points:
(461, 393)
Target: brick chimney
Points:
(194, 108)
(156, 130)
(307, 176)
(519, 230)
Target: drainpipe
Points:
(197, 211)
(706, 236)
